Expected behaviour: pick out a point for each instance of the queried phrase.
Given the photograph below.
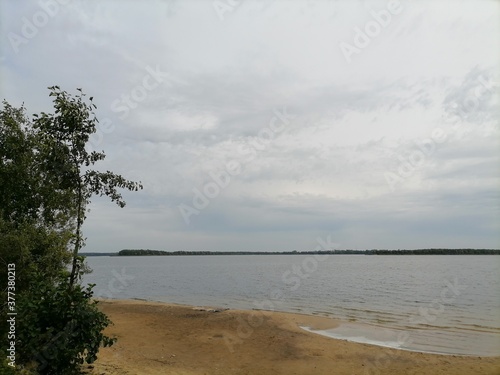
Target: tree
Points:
(34, 226)
(46, 183)
(65, 135)
(28, 192)
(17, 201)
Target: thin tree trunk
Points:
(79, 221)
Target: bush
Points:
(33, 249)
(5, 369)
(46, 184)
(59, 328)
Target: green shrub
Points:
(46, 185)
(5, 369)
(59, 328)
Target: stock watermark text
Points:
(11, 314)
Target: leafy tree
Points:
(46, 183)
(34, 226)
(16, 199)
(28, 191)
(64, 135)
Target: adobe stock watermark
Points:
(11, 314)
(468, 106)
(426, 315)
(292, 278)
(415, 159)
(116, 284)
(129, 101)
(221, 7)
(372, 29)
(220, 179)
(30, 26)
(425, 148)
(429, 313)
(171, 7)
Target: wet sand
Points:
(158, 338)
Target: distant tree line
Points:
(84, 254)
(135, 252)
(294, 252)
(437, 252)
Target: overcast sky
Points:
(261, 125)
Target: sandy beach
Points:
(158, 338)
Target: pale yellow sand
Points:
(156, 338)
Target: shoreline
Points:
(310, 324)
(154, 337)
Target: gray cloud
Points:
(219, 87)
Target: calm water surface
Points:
(443, 304)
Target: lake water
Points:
(441, 304)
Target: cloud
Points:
(222, 82)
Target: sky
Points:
(276, 125)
